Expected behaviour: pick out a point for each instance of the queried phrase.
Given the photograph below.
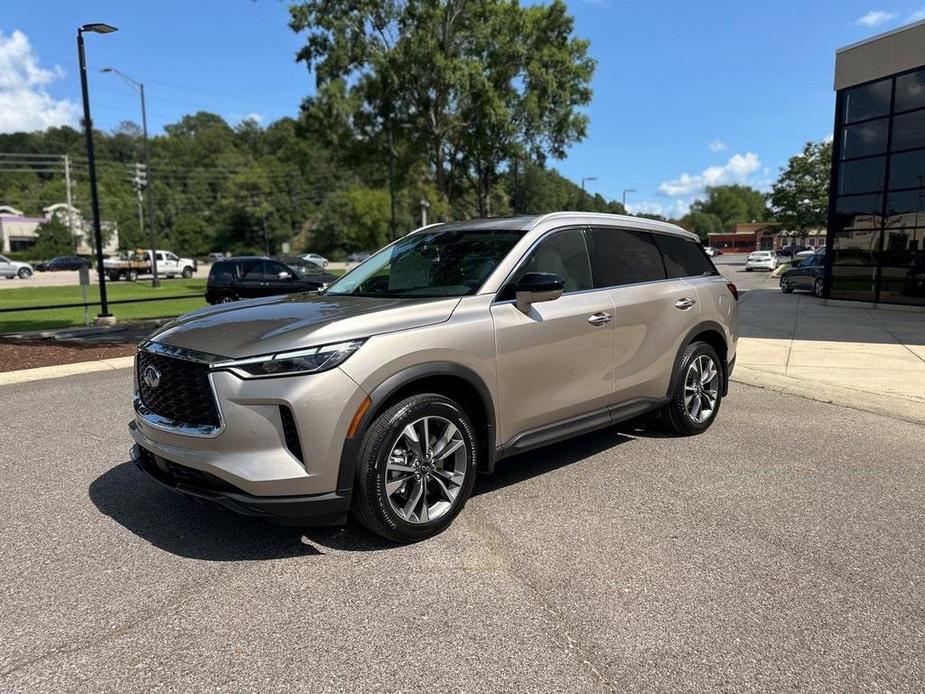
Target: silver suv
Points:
(453, 347)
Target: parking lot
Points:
(780, 551)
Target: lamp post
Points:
(586, 178)
(625, 191)
(140, 88)
(96, 28)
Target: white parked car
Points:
(315, 258)
(14, 268)
(710, 251)
(763, 260)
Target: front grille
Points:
(180, 474)
(183, 393)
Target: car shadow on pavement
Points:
(187, 528)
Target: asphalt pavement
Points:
(780, 551)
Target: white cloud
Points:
(736, 170)
(24, 103)
(717, 146)
(916, 16)
(256, 117)
(875, 18)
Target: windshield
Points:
(430, 264)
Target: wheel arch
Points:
(445, 378)
(714, 335)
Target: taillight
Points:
(732, 290)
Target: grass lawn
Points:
(66, 317)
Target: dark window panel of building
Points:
(864, 139)
(905, 209)
(907, 170)
(857, 212)
(910, 91)
(908, 131)
(868, 101)
(861, 175)
(902, 266)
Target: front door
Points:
(555, 361)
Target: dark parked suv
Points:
(251, 277)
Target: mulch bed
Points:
(28, 355)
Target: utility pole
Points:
(139, 181)
(586, 178)
(70, 200)
(625, 191)
(424, 206)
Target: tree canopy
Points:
(800, 197)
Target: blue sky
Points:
(686, 93)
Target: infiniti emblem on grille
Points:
(151, 377)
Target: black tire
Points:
(24, 273)
(785, 286)
(187, 273)
(227, 299)
(371, 505)
(114, 276)
(132, 275)
(675, 414)
(748, 269)
(818, 287)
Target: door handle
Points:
(684, 303)
(597, 319)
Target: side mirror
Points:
(535, 287)
(285, 275)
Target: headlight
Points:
(303, 361)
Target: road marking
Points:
(45, 372)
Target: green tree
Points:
(702, 223)
(476, 81)
(800, 197)
(352, 219)
(733, 204)
(54, 239)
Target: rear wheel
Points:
(697, 391)
(818, 287)
(417, 468)
(187, 273)
(227, 299)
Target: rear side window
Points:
(622, 256)
(684, 258)
(563, 253)
(223, 272)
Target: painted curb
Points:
(83, 367)
(896, 407)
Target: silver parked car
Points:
(13, 268)
(453, 347)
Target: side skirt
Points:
(574, 426)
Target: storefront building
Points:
(875, 248)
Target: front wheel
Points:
(785, 286)
(24, 273)
(818, 287)
(697, 391)
(417, 468)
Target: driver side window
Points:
(563, 253)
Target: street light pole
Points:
(98, 28)
(586, 178)
(140, 87)
(625, 191)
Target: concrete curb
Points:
(45, 372)
(877, 403)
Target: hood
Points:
(263, 326)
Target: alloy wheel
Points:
(426, 469)
(701, 389)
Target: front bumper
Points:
(316, 509)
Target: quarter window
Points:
(684, 258)
(622, 256)
(563, 253)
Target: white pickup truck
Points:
(132, 264)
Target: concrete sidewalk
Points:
(872, 360)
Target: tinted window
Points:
(908, 131)
(223, 272)
(869, 101)
(684, 258)
(864, 139)
(563, 253)
(905, 209)
(907, 170)
(861, 176)
(265, 270)
(910, 91)
(621, 256)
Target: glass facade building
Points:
(875, 250)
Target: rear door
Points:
(651, 310)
